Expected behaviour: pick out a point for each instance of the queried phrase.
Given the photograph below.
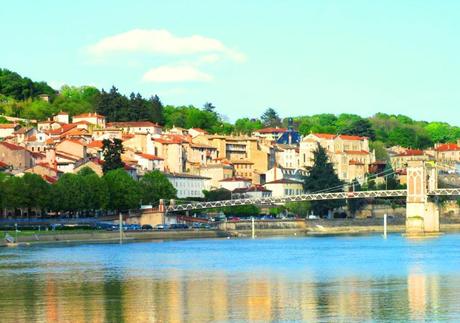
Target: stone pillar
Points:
(422, 215)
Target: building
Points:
(92, 117)
(278, 172)
(62, 117)
(287, 155)
(399, 161)
(447, 153)
(216, 172)
(252, 192)
(17, 157)
(234, 183)
(284, 187)
(270, 134)
(133, 127)
(350, 155)
(147, 162)
(188, 186)
(8, 129)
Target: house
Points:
(216, 172)
(287, 155)
(92, 117)
(133, 127)
(93, 164)
(62, 117)
(72, 147)
(17, 157)
(284, 187)
(447, 153)
(278, 172)
(48, 125)
(107, 133)
(350, 155)
(195, 132)
(233, 183)
(94, 148)
(23, 133)
(7, 130)
(252, 192)
(172, 151)
(399, 161)
(188, 185)
(243, 168)
(37, 142)
(270, 134)
(46, 171)
(149, 162)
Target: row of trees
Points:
(84, 192)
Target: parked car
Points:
(313, 217)
(133, 227)
(234, 219)
(196, 225)
(179, 226)
(161, 227)
(147, 227)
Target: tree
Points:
(112, 150)
(96, 191)
(37, 192)
(242, 210)
(155, 186)
(380, 150)
(301, 209)
(124, 191)
(209, 107)
(69, 193)
(220, 194)
(156, 108)
(270, 118)
(247, 126)
(14, 188)
(360, 127)
(322, 176)
(354, 205)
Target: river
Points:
(327, 279)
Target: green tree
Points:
(95, 190)
(247, 126)
(69, 193)
(13, 189)
(37, 192)
(124, 191)
(380, 150)
(301, 209)
(242, 210)
(361, 127)
(321, 177)
(354, 205)
(155, 186)
(220, 194)
(270, 118)
(112, 150)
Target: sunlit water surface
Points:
(330, 279)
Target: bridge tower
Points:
(422, 213)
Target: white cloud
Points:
(180, 73)
(159, 41)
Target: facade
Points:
(350, 155)
(401, 160)
(216, 172)
(284, 187)
(7, 130)
(447, 153)
(234, 183)
(294, 174)
(133, 127)
(15, 156)
(188, 185)
(93, 118)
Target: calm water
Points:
(338, 279)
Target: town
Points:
(269, 162)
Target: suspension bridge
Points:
(422, 207)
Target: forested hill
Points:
(19, 97)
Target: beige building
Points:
(7, 130)
(287, 156)
(350, 155)
(15, 156)
(133, 127)
(284, 187)
(447, 153)
(72, 147)
(92, 117)
(400, 161)
(216, 172)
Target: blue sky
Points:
(299, 57)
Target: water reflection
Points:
(108, 293)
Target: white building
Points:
(133, 127)
(188, 185)
(234, 183)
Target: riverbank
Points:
(278, 228)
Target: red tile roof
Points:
(149, 157)
(96, 144)
(447, 147)
(11, 146)
(349, 137)
(3, 165)
(411, 152)
(7, 126)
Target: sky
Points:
(299, 57)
